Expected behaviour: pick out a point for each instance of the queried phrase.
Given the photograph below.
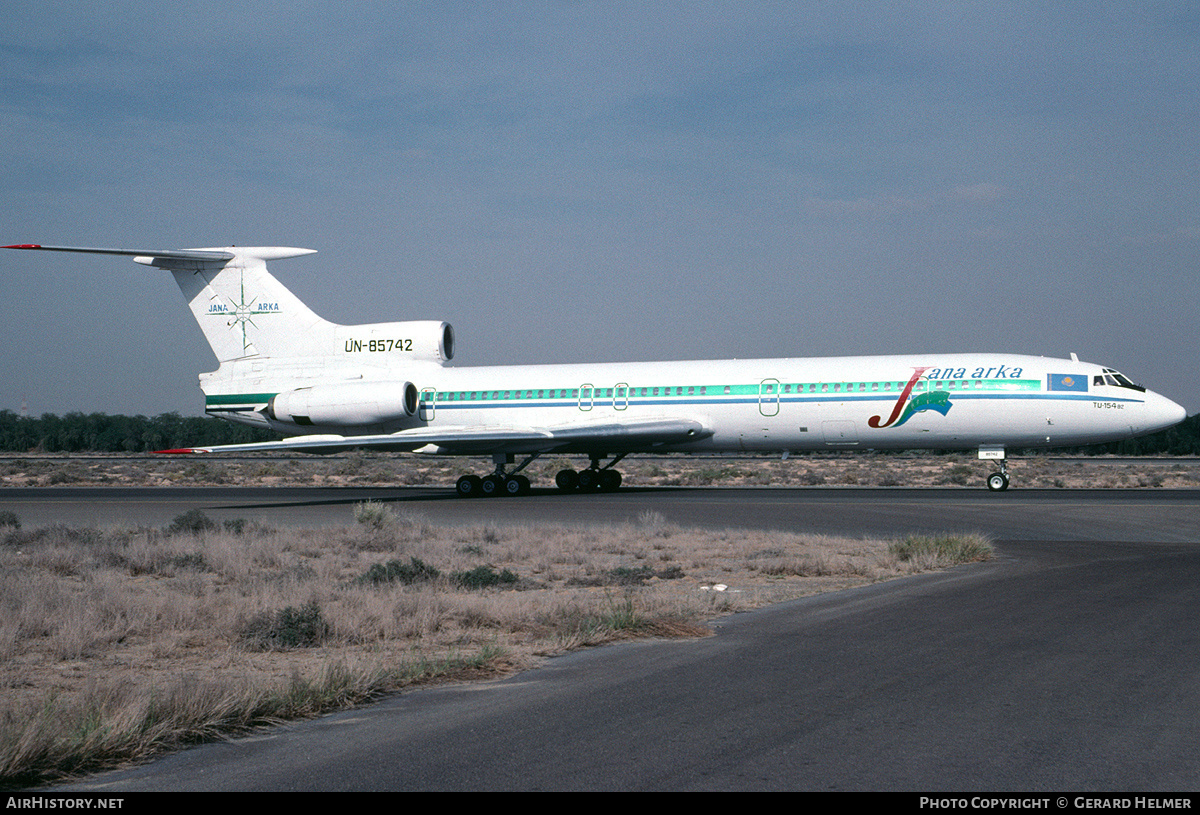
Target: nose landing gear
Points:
(998, 481)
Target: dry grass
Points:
(116, 644)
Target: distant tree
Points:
(101, 433)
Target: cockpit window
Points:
(1117, 380)
(1125, 383)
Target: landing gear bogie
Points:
(499, 483)
(593, 479)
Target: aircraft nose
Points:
(1162, 413)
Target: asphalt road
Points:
(1129, 515)
(1067, 663)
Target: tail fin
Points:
(245, 312)
(241, 308)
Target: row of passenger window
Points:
(873, 387)
(572, 393)
(765, 388)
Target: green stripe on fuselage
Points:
(237, 399)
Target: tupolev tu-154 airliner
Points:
(386, 386)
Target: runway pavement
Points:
(1067, 663)
(1128, 515)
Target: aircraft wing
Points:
(608, 437)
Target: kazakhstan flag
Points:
(1068, 382)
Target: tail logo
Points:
(242, 313)
(905, 408)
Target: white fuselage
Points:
(936, 401)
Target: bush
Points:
(374, 514)
(287, 628)
(394, 571)
(943, 548)
(627, 576)
(959, 474)
(191, 560)
(482, 577)
(193, 521)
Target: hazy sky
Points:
(573, 182)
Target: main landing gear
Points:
(499, 482)
(503, 482)
(594, 479)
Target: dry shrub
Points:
(261, 614)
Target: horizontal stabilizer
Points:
(168, 254)
(241, 308)
(207, 255)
